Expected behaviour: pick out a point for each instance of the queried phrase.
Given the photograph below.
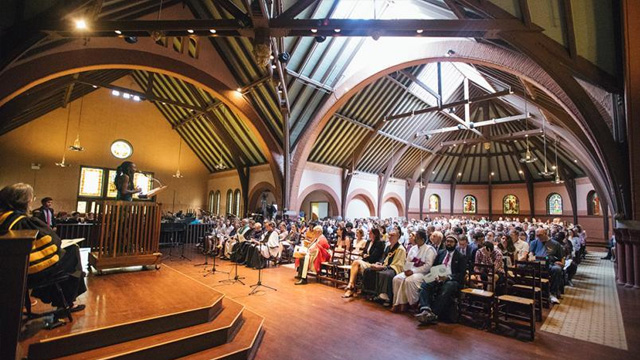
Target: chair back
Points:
(339, 256)
(528, 273)
(481, 276)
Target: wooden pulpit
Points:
(128, 234)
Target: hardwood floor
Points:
(314, 322)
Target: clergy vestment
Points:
(419, 261)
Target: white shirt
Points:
(521, 247)
(420, 259)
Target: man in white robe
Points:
(406, 285)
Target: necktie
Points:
(48, 216)
(446, 259)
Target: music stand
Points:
(257, 285)
(205, 251)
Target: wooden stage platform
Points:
(309, 322)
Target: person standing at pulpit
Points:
(124, 181)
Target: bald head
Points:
(542, 235)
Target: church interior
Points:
(161, 133)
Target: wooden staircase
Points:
(225, 330)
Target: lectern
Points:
(128, 234)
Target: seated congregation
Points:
(438, 269)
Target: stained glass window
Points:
(217, 206)
(510, 205)
(469, 204)
(593, 203)
(554, 204)
(229, 201)
(143, 181)
(236, 204)
(434, 203)
(111, 187)
(91, 182)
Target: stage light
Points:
(81, 24)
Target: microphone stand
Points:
(259, 284)
(213, 269)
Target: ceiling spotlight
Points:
(450, 53)
(433, 172)
(126, 95)
(419, 31)
(320, 38)
(178, 175)
(428, 136)
(520, 172)
(459, 174)
(314, 30)
(492, 173)
(81, 24)
(422, 170)
(131, 39)
(115, 93)
(213, 31)
(94, 86)
(271, 57)
(118, 32)
(284, 57)
(553, 167)
(336, 30)
(273, 66)
(375, 35)
(575, 160)
(190, 31)
(239, 90)
(136, 98)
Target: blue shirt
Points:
(551, 248)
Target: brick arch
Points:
(258, 189)
(73, 59)
(334, 200)
(363, 195)
(396, 199)
(583, 122)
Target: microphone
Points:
(154, 179)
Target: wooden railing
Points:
(74, 231)
(127, 234)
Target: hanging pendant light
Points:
(528, 156)
(63, 163)
(422, 185)
(546, 172)
(557, 179)
(76, 143)
(178, 175)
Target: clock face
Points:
(121, 149)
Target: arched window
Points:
(216, 208)
(434, 203)
(510, 205)
(212, 199)
(229, 207)
(236, 203)
(593, 203)
(554, 204)
(469, 203)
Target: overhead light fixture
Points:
(76, 143)
(94, 86)
(178, 175)
(63, 163)
(320, 38)
(419, 31)
(528, 157)
(239, 90)
(284, 57)
(575, 160)
(273, 66)
(450, 53)
(220, 166)
(492, 173)
(271, 57)
(126, 95)
(136, 98)
(459, 174)
(557, 179)
(131, 39)
(545, 173)
(81, 24)
(314, 30)
(213, 31)
(190, 31)
(336, 30)
(520, 172)
(115, 92)
(118, 32)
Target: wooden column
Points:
(15, 248)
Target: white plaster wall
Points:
(357, 209)
(321, 174)
(389, 209)
(583, 187)
(368, 182)
(414, 201)
(258, 174)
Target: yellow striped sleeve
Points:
(43, 265)
(38, 243)
(39, 255)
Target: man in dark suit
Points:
(45, 212)
(437, 296)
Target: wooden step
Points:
(176, 343)
(73, 343)
(243, 346)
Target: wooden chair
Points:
(545, 281)
(478, 298)
(53, 281)
(517, 309)
(523, 280)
